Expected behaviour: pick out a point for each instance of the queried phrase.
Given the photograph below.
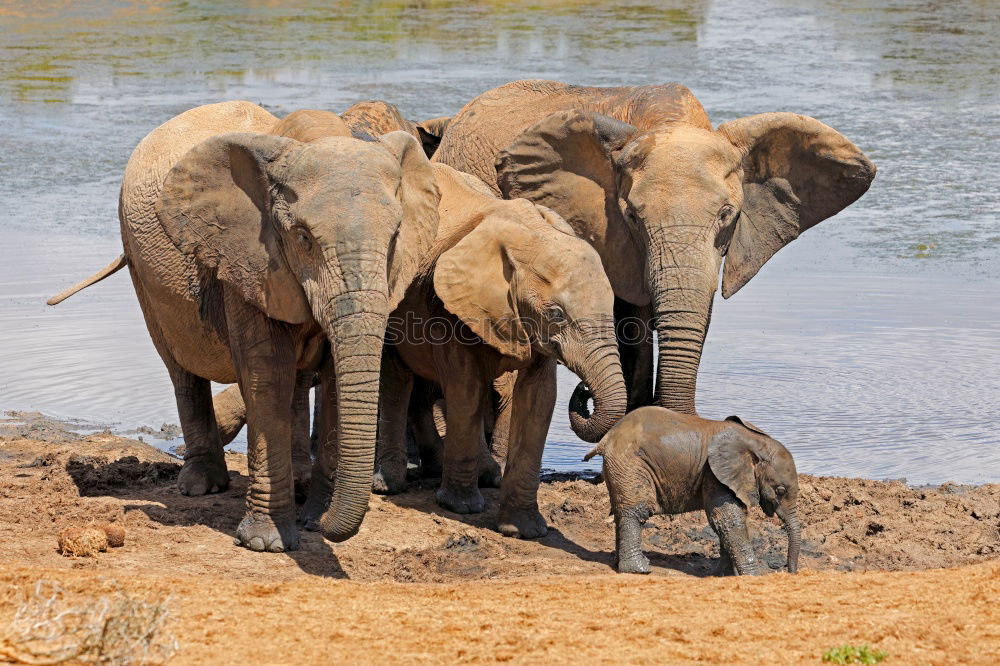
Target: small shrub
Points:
(854, 654)
(115, 630)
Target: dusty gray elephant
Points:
(641, 174)
(508, 286)
(660, 461)
(251, 253)
(368, 119)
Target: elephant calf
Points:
(660, 461)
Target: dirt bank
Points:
(184, 546)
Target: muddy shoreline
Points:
(52, 478)
(914, 571)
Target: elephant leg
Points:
(301, 439)
(628, 540)
(725, 566)
(424, 429)
(394, 400)
(263, 354)
(728, 517)
(465, 394)
(534, 398)
(635, 345)
(204, 469)
(230, 413)
(325, 451)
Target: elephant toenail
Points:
(256, 543)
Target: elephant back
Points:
(493, 120)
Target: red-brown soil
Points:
(428, 585)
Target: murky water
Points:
(871, 346)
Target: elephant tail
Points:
(596, 451)
(112, 268)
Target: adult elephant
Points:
(250, 253)
(640, 173)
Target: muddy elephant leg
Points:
(466, 397)
(230, 413)
(325, 451)
(394, 400)
(628, 540)
(728, 517)
(725, 566)
(635, 345)
(534, 398)
(264, 358)
(301, 439)
(204, 469)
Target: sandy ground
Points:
(913, 571)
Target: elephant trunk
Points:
(794, 531)
(600, 369)
(356, 340)
(682, 300)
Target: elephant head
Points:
(759, 470)
(330, 232)
(523, 282)
(664, 206)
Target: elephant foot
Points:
(522, 523)
(259, 532)
(489, 473)
(386, 483)
(637, 564)
(465, 500)
(201, 477)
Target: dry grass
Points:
(115, 630)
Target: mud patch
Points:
(98, 476)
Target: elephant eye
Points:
(555, 314)
(304, 239)
(780, 491)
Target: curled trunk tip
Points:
(579, 412)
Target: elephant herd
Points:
(426, 278)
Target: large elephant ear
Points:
(565, 162)
(796, 173)
(475, 281)
(216, 206)
(418, 195)
(732, 457)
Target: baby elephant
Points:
(660, 461)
